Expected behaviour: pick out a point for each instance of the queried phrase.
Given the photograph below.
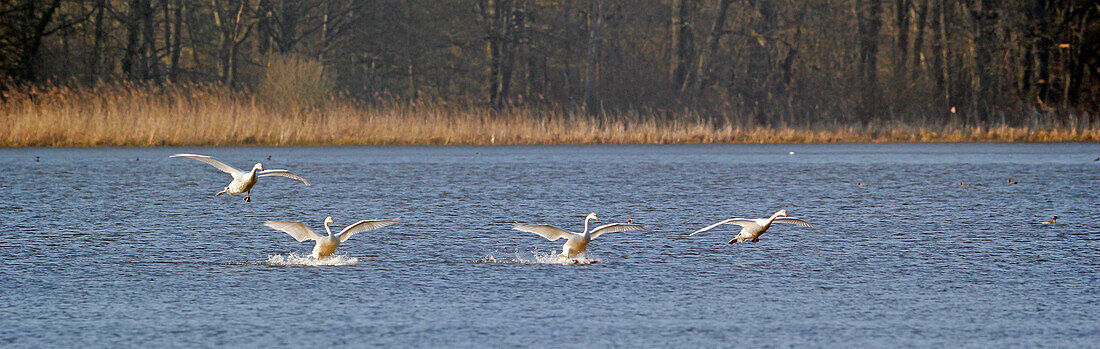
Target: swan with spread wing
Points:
(326, 245)
(576, 243)
(751, 229)
(242, 181)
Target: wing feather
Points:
(549, 232)
(298, 230)
(795, 221)
(283, 173)
(738, 221)
(212, 161)
(614, 227)
(364, 225)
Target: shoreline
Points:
(212, 115)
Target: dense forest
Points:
(784, 61)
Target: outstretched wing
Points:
(738, 221)
(364, 225)
(220, 165)
(614, 227)
(795, 221)
(283, 173)
(547, 231)
(298, 230)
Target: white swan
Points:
(576, 243)
(751, 229)
(242, 181)
(327, 244)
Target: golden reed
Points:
(131, 115)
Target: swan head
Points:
(782, 213)
(328, 220)
(258, 167)
(592, 216)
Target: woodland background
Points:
(816, 64)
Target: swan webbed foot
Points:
(248, 197)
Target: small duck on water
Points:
(961, 184)
(860, 184)
(1010, 181)
(1051, 221)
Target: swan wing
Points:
(795, 221)
(547, 231)
(212, 161)
(738, 221)
(364, 225)
(298, 230)
(614, 227)
(283, 173)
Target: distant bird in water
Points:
(1051, 221)
(137, 159)
(961, 184)
(242, 181)
(269, 158)
(1010, 181)
(36, 159)
(751, 229)
(577, 243)
(860, 184)
(1097, 159)
(326, 245)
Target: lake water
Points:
(126, 247)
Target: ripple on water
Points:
(539, 258)
(294, 259)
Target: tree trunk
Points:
(716, 31)
(680, 43)
(590, 71)
(870, 23)
(986, 42)
(918, 43)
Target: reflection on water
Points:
(101, 250)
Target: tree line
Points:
(773, 62)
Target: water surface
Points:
(126, 247)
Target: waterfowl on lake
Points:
(860, 184)
(576, 243)
(1010, 181)
(326, 245)
(242, 181)
(1051, 221)
(961, 184)
(751, 229)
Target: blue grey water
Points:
(126, 247)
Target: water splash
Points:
(294, 259)
(540, 258)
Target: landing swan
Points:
(242, 181)
(576, 243)
(751, 229)
(327, 244)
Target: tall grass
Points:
(139, 115)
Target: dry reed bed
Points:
(122, 115)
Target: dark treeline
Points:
(979, 61)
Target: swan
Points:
(1051, 221)
(576, 243)
(327, 244)
(751, 229)
(242, 181)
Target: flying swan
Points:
(577, 242)
(242, 181)
(327, 244)
(751, 229)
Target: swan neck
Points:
(327, 229)
(586, 232)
